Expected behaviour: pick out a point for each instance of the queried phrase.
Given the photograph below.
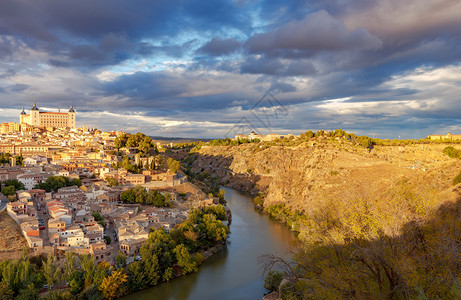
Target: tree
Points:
(136, 276)
(258, 200)
(128, 196)
(273, 280)
(173, 165)
(102, 271)
(54, 183)
(6, 293)
(99, 218)
(120, 260)
(76, 282)
(112, 181)
(113, 285)
(88, 269)
(145, 144)
(120, 141)
(51, 271)
(75, 181)
(18, 185)
(140, 193)
(28, 293)
(8, 190)
(156, 198)
(185, 260)
(70, 264)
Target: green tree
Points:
(70, 264)
(136, 276)
(145, 145)
(120, 260)
(76, 282)
(120, 141)
(140, 193)
(273, 280)
(88, 268)
(75, 181)
(28, 293)
(6, 293)
(185, 260)
(8, 190)
(128, 196)
(112, 181)
(51, 271)
(16, 183)
(173, 165)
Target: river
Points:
(234, 272)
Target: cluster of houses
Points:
(64, 220)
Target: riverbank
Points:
(234, 271)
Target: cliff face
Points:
(300, 174)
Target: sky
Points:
(207, 69)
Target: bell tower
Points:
(71, 117)
(34, 115)
(22, 116)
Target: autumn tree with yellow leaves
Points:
(113, 286)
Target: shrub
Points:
(258, 200)
(273, 280)
(452, 152)
(457, 179)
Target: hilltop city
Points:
(74, 189)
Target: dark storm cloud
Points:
(318, 31)
(107, 32)
(218, 47)
(273, 66)
(18, 87)
(146, 86)
(180, 58)
(282, 87)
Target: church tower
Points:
(34, 116)
(71, 117)
(22, 116)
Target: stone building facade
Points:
(48, 119)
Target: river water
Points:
(234, 272)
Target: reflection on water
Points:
(233, 272)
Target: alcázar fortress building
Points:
(38, 118)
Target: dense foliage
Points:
(164, 256)
(9, 187)
(139, 194)
(5, 158)
(54, 183)
(452, 152)
(138, 140)
(402, 243)
(173, 165)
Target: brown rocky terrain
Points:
(295, 175)
(12, 241)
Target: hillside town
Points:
(86, 214)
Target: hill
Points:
(383, 221)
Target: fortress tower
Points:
(48, 119)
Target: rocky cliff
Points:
(297, 175)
